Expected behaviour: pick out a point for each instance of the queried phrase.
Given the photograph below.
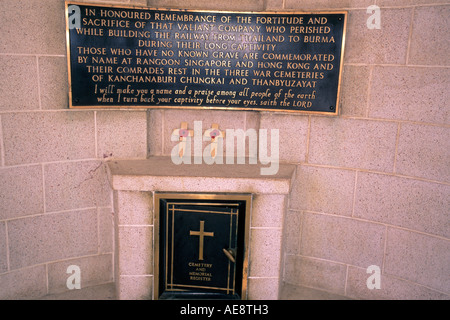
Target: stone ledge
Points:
(161, 174)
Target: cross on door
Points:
(202, 234)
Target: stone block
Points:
(21, 191)
(386, 45)
(71, 185)
(49, 237)
(94, 270)
(48, 136)
(353, 143)
(323, 190)
(32, 27)
(418, 258)
(234, 5)
(53, 82)
(105, 230)
(429, 41)
(326, 4)
(265, 252)
(133, 208)
(410, 93)
(155, 135)
(263, 288)
(391, 288)
(225, 119)
(122, 134)
(135, 245)
(293, 131)
(274, 4)
(19, 82)
(27, 283)
(342, 240)
(396, 3)
(263, 208)
(291, 232)
(320, 274)
(134, 287)
(3, 248)
(354, 91)
(407, 203)
(424, 151)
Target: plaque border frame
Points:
(124, 6)
(247, 197)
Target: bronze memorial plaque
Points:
(201, 247)
(134, 57)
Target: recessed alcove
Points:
(135, 182)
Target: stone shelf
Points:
(161, 174)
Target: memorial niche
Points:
(126, 57)
(202, 246)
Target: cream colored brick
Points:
(264, 208)
(237, 5)
(225, 119)
(105, 230)
(133, 208)
(292, 135)
(353, 143)
(265, 252)
(429, 43)
(418, 258)
(323, 190)
(50, 237)
(252, 120)
(386, 45)
(292, 231)
(407, 203)
(48, 136)
(28, 283)
(342, 240)
(410, 93)
(32, 26)
(53, 82)
(18, 83)
(122, 134)
(94, 270)
(390, 288)
(135, 288)
(21, 192)
(3, 248)
(71, 185)
(138, 2)
(326, 4)
(354, 90)
(408, 2)
(424, 151)
(135, 245)
(315, 273)
(155, 131)
(263, 288)
(274, 4)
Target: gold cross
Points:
(202, 234)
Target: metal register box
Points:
(201, 246)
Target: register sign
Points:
(133, 57)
